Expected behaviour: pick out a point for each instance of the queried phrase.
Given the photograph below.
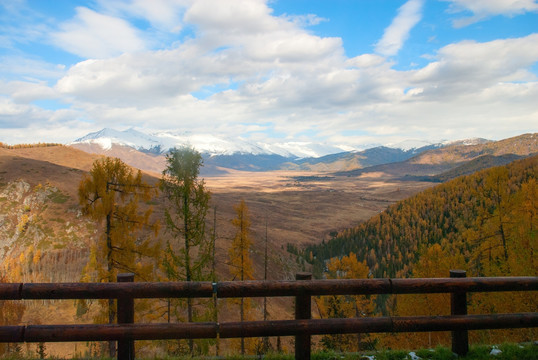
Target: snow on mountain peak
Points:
(214, 145)
(410, 144)
(130, 137)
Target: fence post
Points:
(458, 306)
(303, 310)
(126, 316)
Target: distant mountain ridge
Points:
(239, 154)
(454, 159)
(413, 158)
(209, 144)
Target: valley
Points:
(298, 209)
(45, 238)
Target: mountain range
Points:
(146, 151)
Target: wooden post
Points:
(126, 316)
(303, 310)
(458, 306)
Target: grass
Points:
(527, 351)
(482, 352)
(58, 197)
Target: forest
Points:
(485, 223)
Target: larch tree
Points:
(240, 262)
(340, 306)
(111, 193)
(11, 313)
(187, 204)
(435, 261)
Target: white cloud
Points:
(26, 92)
(467, 83)
(485, 8)
(20, 116)
(409, 14)
(253, 71)
(162, 14)
(469, 66)
(93, 35)
(20, 67)
(228, 49)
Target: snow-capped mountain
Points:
(207, 144)
(130, 137)
(145, 151)
(412, 144)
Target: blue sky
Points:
(347, 72)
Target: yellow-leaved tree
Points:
(111, 194)
(11, 313)
(340, 306)
(435, 261)
(241, 264)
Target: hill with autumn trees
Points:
(485, 223)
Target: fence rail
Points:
(125, 332)
(234, 289)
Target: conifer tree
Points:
(112, 193)
(189, 259)
(240, 262)
(11, 313)
(339, 306)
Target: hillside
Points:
(522, 145)
(451, 160)
(357, 159)
(485, 223)
(392, 240)
(477, 164)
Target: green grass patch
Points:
(58, 197)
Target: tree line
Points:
(27, 146)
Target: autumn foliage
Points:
(112, 194)
(485, 223)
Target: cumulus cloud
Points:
(242, 69)
(94, 35)
(250, 49)
(469, 65)
(409, 14)
(482, 9)
(26, 92)
(162, 14)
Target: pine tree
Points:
(187, 205)
(112, 193)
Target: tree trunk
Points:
(110, 267)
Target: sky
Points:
(346, 72)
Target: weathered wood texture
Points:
(125, 332)
(105, 332)
(458, 306)
(271, 288)
(303, 310)
(125, 307)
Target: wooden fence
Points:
(125, 291)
